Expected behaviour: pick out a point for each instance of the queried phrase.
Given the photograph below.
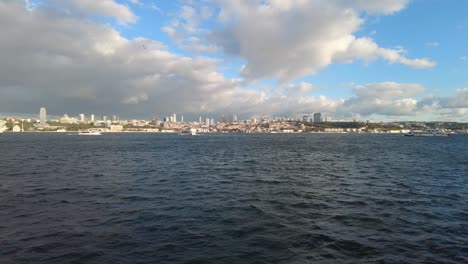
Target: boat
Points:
(191, 132)
(89, 133)
(427, 133)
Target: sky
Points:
(382, 60)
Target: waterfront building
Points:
(317, 117)
(174, 118)
(2, 126)
(207, 121)
(67, 120)
(82, 118)
(92, 117)
(16, 128)
(42, 117)
(305, 118)
(116, 128)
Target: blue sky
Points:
(249, 57)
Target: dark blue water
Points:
(152, 198)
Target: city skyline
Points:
(391, 60)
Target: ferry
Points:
(191, 132)
(428, 133)
(89, 133)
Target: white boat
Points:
(188, 134)
(89, 133)
(428, 133)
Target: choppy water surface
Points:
(151, 198)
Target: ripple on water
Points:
(312, 198)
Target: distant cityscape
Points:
(176, 124)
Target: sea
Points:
(233, 198)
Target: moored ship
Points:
(428, 133)
(89, 133)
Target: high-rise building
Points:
(115, 118)
(92, 117)
(174, 118)
(82, 118)
(305, 118)
(181, 119)
(42, 117)
(199, 120)
(104, 118)
(234, 118)
(317, 117)
(207, 121)
(212, 121)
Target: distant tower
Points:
(82, 117)
(42, 117)
(104, 118)
(174, 118)
(234, 118)
(199, 120)
(207, 121)
(92, 118)
(181, 119)
(317, 117)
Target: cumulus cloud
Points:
(74, 65)
(108, 8)
(292, 39)
(375, 7)
(460, 100)
(185, 30)
(387, 98)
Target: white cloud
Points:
(110, 8)
(388, 90)
(387, 98)
(460, 100)
(376, 7)
(292, 39)
(76, 65)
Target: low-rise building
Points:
(116, 128)
(68, 120)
